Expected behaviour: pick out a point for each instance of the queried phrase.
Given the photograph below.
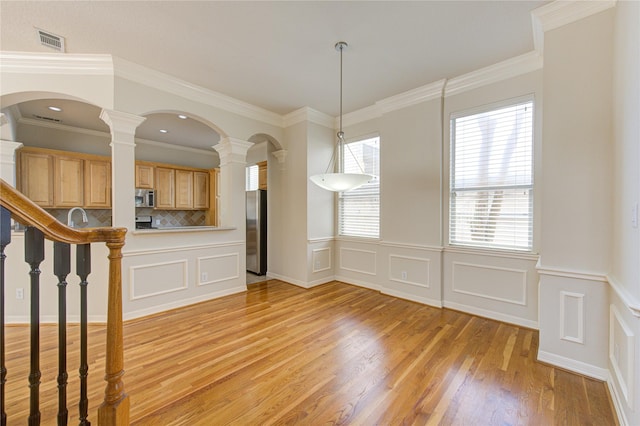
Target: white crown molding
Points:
(411, 97)
(504, 70)
(559, 13)
(361, 115)
(199, 151)
(62, 127)
(623, 294)
(148, 77)
(107, 135)
(55, 63)
(307, 114)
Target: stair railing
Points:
(114, 410)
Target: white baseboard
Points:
(412, 297)
(617, 401)
(523, 322)
(358, 283)
(573, 365)
(181, 303)
(288, 280)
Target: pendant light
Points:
(340, 181)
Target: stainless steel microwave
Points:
(145, 198)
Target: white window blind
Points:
(491, 198)
(359, 209)
(252, 178)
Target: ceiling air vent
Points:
(51, 40)
(42, 117)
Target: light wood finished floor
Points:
(337, 354)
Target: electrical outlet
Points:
(204, 277)
(157, 221)
(19, 293)
(634, 215)
(404, 275)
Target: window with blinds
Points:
(359, 209)
(252, 178)
(491, 189)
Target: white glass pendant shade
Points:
(341, 181)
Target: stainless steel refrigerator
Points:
(257, 231)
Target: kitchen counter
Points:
(174, 229)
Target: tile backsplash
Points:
(174, 217)
(102, 217)
(97, 217)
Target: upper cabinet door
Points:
(144, 176)
(165, 189)
(184, 189)
(201, 190)
(68, 182)
(97, 184)
(35, 178)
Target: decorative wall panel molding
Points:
(409, 270)
(214, 269)
(356, 260)
(321, 259)
(157, 278)
(181, 248)
(622, 342)
(490, 282)
(572, 317)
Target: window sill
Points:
(478, 251)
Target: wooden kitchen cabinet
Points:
(184, 189)
(144, 176)
(165, 188)
(68, 178)
(200, 190)
(35, 177)
(97, 184)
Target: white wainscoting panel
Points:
(321, 259)
(158, 278)
(622, 354)
(409, 270)
(490, 282)
(214, 269)
(357, 260)
(572, 316)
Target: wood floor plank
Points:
(338, 354)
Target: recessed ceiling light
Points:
(164, 131)
(182, 116)
(55, 108)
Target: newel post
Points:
(114, 411)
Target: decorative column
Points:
(233, 162)
(8, 153)
(123, 129)
(8, 161)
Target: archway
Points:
(261, 161)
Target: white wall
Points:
(576, 194)
(623, 350)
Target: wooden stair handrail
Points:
(30, 214)
(114, 410)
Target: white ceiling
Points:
(280, 55)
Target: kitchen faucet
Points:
(84, 216)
